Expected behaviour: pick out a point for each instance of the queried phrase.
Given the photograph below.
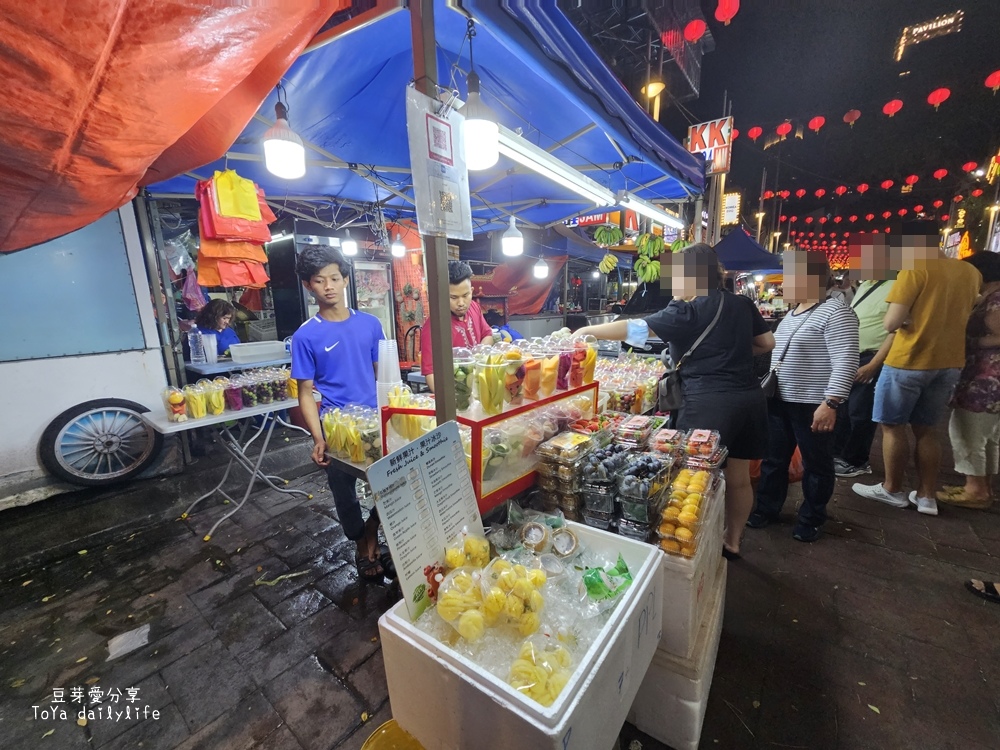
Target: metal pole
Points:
(435, 248)
(760, 203)
(565, 289)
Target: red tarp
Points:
(102, 96)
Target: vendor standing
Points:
(468, 326)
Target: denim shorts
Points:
(917, 397)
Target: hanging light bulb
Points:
(596, 274)
(482, 134)
(512, 241)
(397, 248)
(348, 245)
(284, 154)
(541, 269)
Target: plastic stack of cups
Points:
(389, 375)
(211, 348)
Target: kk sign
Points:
(713, 139)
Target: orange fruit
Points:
(669, 545)
(667, 528)
(687, 519)
(693, 498)
(691, 509)
(671, 513)
(685, 535)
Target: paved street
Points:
(866, 639)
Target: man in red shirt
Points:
(468, 326)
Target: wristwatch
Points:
(833, 403)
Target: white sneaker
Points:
(878, 492)
(926, 505)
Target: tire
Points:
(99, 443)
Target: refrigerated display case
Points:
(372, 291)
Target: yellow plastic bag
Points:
(237, 196)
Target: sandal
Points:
(368, 570)
(388, 566)
(730, 555)
(956, 496)
(990, 592)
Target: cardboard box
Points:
(671, 703)
(448, 703)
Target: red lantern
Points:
(869, 217)
(886, 214)
(940, 174)
(968, 166)
(784, 218)
(891, 108)
(820, 193)
(822, 235)
(863, 188)
(852, 218)
(918, 208)
(783, 129)
(726, 10)
(912, 179)
(694, 30)
(812, 234)
(816, 123)
(886, 184)
(755, 132)
(784, 194)
(937, 204)
(822, 220)
(977, 192)
(902, 212)
(958, 198)
(945, 217)
(793, 219)
(809, 220)
(853, 115)
(833, 234)
(938, 97)
(993, 81)
(837, 219)
(874, 231)
(800, 193)
(841, 189)
(768, 194)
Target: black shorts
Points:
(740, 417)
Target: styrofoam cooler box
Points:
(671, 702)
(448, 703)
(687, 582)
(257, 351)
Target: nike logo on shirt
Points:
(330, 348)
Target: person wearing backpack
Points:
(855, 430)
(713, 336)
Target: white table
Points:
(224, 365)
(234, 445)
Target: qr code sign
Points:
(447, 201)
(440, 138)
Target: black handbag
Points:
(668, 390)
(769, 383)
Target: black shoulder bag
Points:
(668, 392)
(769, 383)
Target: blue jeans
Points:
(345, 499)
(790, 425)
(917, 397)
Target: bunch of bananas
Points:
(607, 235)
(678, 245)
(608, 263)
(649, 245)
(648, 271)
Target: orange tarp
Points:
(103, 96)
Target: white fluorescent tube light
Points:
(541, 161)
(649, 211)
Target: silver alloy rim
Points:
(103, 443)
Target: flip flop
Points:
(368, 570)
(956, 496)
(388, 566)
(989, 592)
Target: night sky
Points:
(796, 59)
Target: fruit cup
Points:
(293, 386)
(233, 391)
(491, 378)
(464, 372)
(248, 389)
(514, 377)
(532, 377)
(196, 406)
(562, 370)
(175, 404)
(550, 370)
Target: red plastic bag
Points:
(795, 468)
(216, 227)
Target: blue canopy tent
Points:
(739, 252)
(347, 101)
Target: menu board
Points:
(425, 499)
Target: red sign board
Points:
(714, 139)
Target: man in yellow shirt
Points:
(929, 307)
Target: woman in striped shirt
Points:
(819, 339)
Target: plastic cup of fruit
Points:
(491, 386)
(464, 374)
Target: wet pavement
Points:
(264, 638)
